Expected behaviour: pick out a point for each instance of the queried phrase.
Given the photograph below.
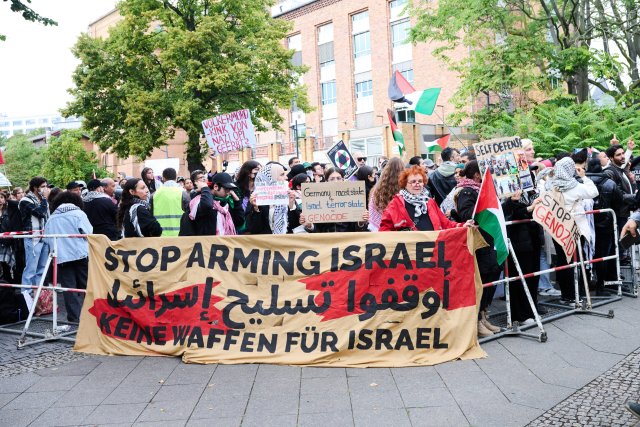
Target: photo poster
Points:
(506, 161)
(342, 159)
(268, 195)
(334, 201)
(229, 132)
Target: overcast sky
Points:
(36, 61)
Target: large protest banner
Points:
(505, 159)
(551, 214)
(229, 132)
(343, 201)
(339, 299)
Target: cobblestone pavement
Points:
(520, 382)
(601, 402)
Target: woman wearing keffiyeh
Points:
(412, 208)
(273, 219)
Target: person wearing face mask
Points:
(336, 175)
(273, 219)
(134, 214)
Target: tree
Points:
(518, 48)
(171, 64)
(22, 159)
(67, 159)
(28, 14)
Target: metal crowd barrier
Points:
(579, 306)
(58, 330)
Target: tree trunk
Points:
(194, 153)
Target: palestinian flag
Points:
(488, 214)
(438, 145)
(397, 135)
(424, 101)
(399, 87)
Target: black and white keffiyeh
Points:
(133, 213)
(419, 201)
(278, 220)
(563, 176)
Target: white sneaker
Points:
(63, 328)
(528, 322)
(551, 292)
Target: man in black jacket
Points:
(617, 173)
(215, 211)
(101, 210)
(443, 180)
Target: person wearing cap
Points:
(75, 187)
(429, 164)
(169, 202)
(216, 211)
(100, 210)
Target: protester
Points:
(296, 186)
(150, 180)
(134, 214)
(245, 182)
(416, 161)
(169, 202)
(109, 188)
(100, 210)
(336, 175)
(317, 172)
(274, 219)
(52, 195)
(617, 173)
(72, 254)
(360, 159)
(412, 208)
(564, 181)
(443, 180)
(466, 157)
(609, 197)
(7, 247)
(188, 185)
(366, 174)
(294, 161)
(13, 222)
(383, 192)
(296, 170)
(216, 211)
(34, 210)
(75, 187)
(486, 257)
(17, 193)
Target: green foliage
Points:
(28, 14)
(562, 125)
(22, 159)
(171, 64)
(67, 159)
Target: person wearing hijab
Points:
(412, 209)
(574, 192)
(336, 175)
(487, 258)
(273, 219)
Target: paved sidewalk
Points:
(522, 381)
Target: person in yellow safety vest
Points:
(169, 202)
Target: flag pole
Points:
(450, 130)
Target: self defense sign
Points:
(230, 132)
(334, 201)
(340, 299)
(558, 222)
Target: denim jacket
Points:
(69, 222)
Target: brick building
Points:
(351, 49)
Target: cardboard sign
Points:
(551, 214)
(334, 299)
(342, 159)
(334, 201)
(272, 194)
(505, 159)
(230, 132)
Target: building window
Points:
(325, 54)
(17, 123)
(4, 133)
(56, 120)
(397, 3)
(362, 44)
(43, 121)
(400, 33)
(364, 88)
(406, 69)
(329, 95)
(30, 122)
(4, 124)
(360, 16)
